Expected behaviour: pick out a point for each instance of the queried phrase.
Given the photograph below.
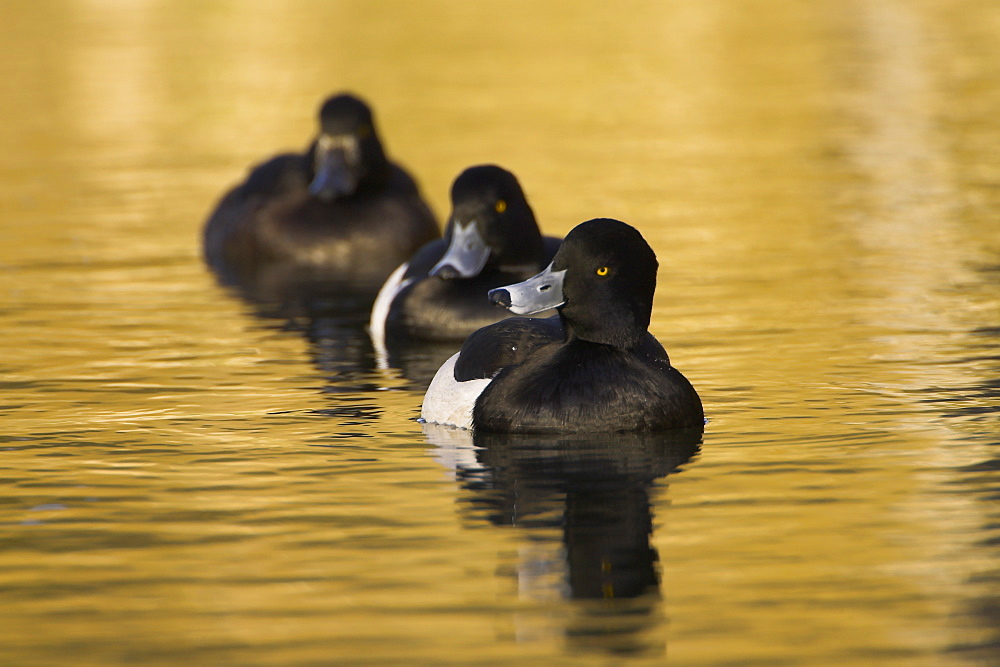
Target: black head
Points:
(609, 283)
(347, 152)
(602, 281)
(345, 114)
(491, 225)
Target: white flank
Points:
(393, 285)
(448, 401)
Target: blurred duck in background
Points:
(440, 294)
(341, 214)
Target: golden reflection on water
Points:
(187, 480)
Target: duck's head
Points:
(491, 224)
(601, 281)
(347, 150)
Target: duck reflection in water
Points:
(333, 319)
(339, 348)
(595, 491)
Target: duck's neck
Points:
(620, 335)
(522, 250)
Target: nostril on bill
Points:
(447, 272)
(500, 297)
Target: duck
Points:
(342, 209)
(492, 239)
(593, 367)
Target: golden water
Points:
(186, 479)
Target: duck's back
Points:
(228, 236)
(589, 387)
(272, 219)
(366, 235)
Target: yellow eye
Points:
(364, 131)
(501, 206)
(603, 271)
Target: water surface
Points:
(188, 476)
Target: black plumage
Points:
(593, 368)
(341, 210)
